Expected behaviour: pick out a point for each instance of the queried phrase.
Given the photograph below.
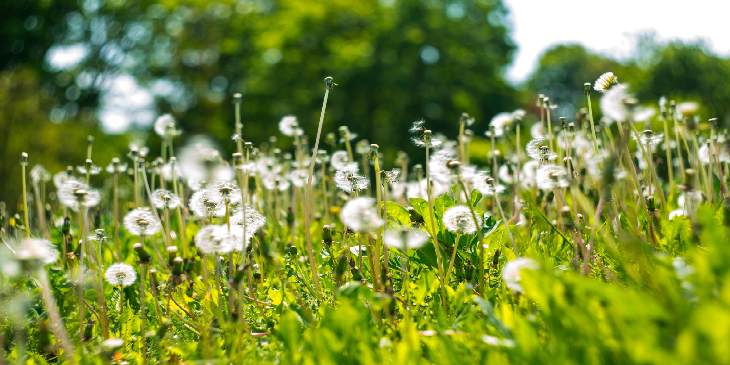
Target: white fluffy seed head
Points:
(164, 199)
(361, 215)
(216, 239)
(142, 222)
(549, 177)
(75, 194)
(206, 203)
(605, 81)
(36, 250)
(165, 126)
(289, 126)
(511, 272)
(458, 219)
(405, 239)
(120, 274)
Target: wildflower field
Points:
(578, 240)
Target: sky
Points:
(610, 27)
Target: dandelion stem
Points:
(54, 316)
(329, 83)
(26, 216)
(587, 89)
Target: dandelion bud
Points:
(341, 265)
(327, 234)
(650, 204)
(713, 122)
(330, 139)
(329, 82)
(414, 216)
(144, 257)
(454, 165)
(237, 158)
(177, 266)
(171, 252)
(587, 87)
(24, 159)
(418, 170)
(374, 151)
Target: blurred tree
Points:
(29, 28)
(394, 61)
(24, 127)
(563, 69)
(688, 71)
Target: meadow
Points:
(530, 238)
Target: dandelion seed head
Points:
(39, 174)
(164, 199)
(361, 215)
(486, 185)
(511, 272)
(165, 126)
(549, 177)
(350, 182)
(605, 82)
(458, 219)
(36, 250)
(215, 240)
(206, 203)
(75, 194)
(120, 274)
(340, 160)
(391, 176)
(405, 238)
(249, 217)
(142, 222)
(613, 104)
(289, 126)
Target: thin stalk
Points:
(49, 301)
(668, 156)
(329, 83)
(26, 219)
(587, 89)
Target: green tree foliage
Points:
(563, 69)
(394, 62)
(689, 72)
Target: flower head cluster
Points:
(36, 250)
(120, 274)
(361, 215)
(165, 126)
(549, 177)
(350, 181)
(511, 272)
(164, 199)
(605, 81)
(218, 239)
(289, 126)
(207, 203)
(142, 222)
(539, 149)
(75, 194)
(405, 238)
(503, 121)
(458, 219)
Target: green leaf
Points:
(397, 213)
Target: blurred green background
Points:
(62, 64)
